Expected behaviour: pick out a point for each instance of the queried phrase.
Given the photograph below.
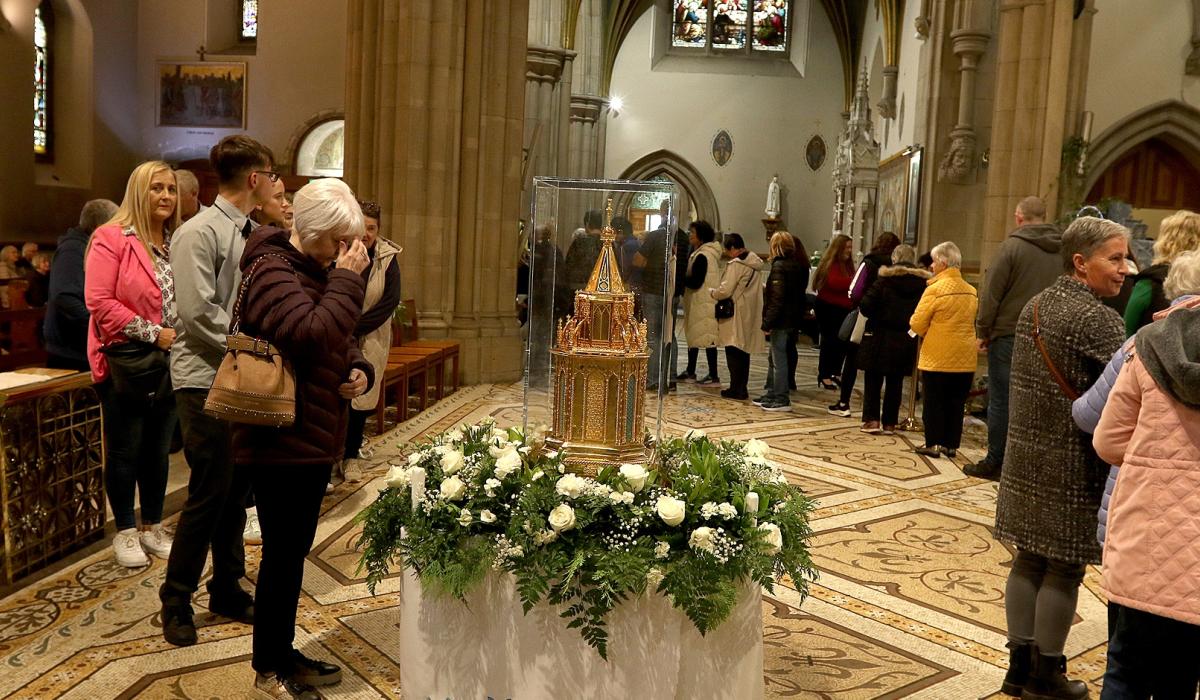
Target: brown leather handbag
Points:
(1068, 390)
(255, 384)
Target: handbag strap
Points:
(236, 321)
(1054, 371)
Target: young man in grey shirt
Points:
(206, 253)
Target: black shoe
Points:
(1020, 664)
(983, 470)
(949, 452)
(927, 450)
(178, 627)
(237, 605)
(760, 400)
(1048, 681)
(736, 396)
(684, 376)
(775, 406)
(839, 409)
(313, 672)
(710, 379)
(272, 685)
(672, 387)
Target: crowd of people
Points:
(144, 295)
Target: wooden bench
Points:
(408, 335)
(398, 378)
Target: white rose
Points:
(772, 536)
(415, 458)
(662, 550)
(397, 477)
(671, 510)
(499, 434)
(490, 486)
(508, 463)
(537, 475)
(452, 461)
(545, 537)
(702, 538)
(619, 497)
(487, 516)
(757, 448)
(455, 435)
(453, 489)
(695, 434)
(653, 577)
(708, 510)
(570, 486)
(501, 448)
(465, 517)
(562, 518)
(635, 475)
(727, 510)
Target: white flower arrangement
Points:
(691, 525)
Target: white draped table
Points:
(489, 648)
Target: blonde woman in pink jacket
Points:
(1151, 427)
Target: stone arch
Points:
(301, 131)
(675, 167)
(1170, 120)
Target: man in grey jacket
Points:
(206, 253)
(1027, 262)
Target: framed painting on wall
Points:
(912, 216)
(202, 94)
(893, 196)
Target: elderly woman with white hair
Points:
(1052, 481)
(303, 292)
(945, 319)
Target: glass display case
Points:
(602, 264)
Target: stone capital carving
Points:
(587, 108)
(887, 100)
(958, 165)
(545, 64)
(969, 42)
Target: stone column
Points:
(968, 44)
(1028, 121)
(587, 113)
(435, 100)
(544, 107)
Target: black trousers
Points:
(833, 349)
(893, 394)
(739, 370)
(945, 398)
(215, 512)
(710, 354)
(354, 432)
(59, 362)
(289, 503)
(1150, 656)
(849, 372)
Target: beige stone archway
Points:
(675, 167)
(1171, 120)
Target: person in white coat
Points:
(740, 333)
(699, 307)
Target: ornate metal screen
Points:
(53, 476)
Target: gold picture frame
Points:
(204, 94)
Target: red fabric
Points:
(309, 314)
(836, 289)
(119, 284)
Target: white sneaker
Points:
(128, 550)
(156, 541)
(253, 533)
(352, 470)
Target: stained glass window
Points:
(41, 79)
(770, 25)
(249, 19)
(690, 28)
(746, 27)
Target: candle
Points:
(416, 480)
(752, 503)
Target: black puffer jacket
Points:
(783, 297)
(886, 347)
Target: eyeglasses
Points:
(271, 174)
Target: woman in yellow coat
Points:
(945, 319)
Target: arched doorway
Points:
(699, 199)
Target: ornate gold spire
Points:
(606, 275)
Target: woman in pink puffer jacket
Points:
(1151, 427)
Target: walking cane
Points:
(912, 424)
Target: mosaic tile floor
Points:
(909, 602)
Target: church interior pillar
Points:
(434, 115)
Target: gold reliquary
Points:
(599, 362)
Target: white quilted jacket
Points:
(1152, 552)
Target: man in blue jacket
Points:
(65, 327)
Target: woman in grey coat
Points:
(1052, 480)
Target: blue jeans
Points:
(652, 309)
(137, 445)
(779, 373)
(1150, 655)
(999, 373)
